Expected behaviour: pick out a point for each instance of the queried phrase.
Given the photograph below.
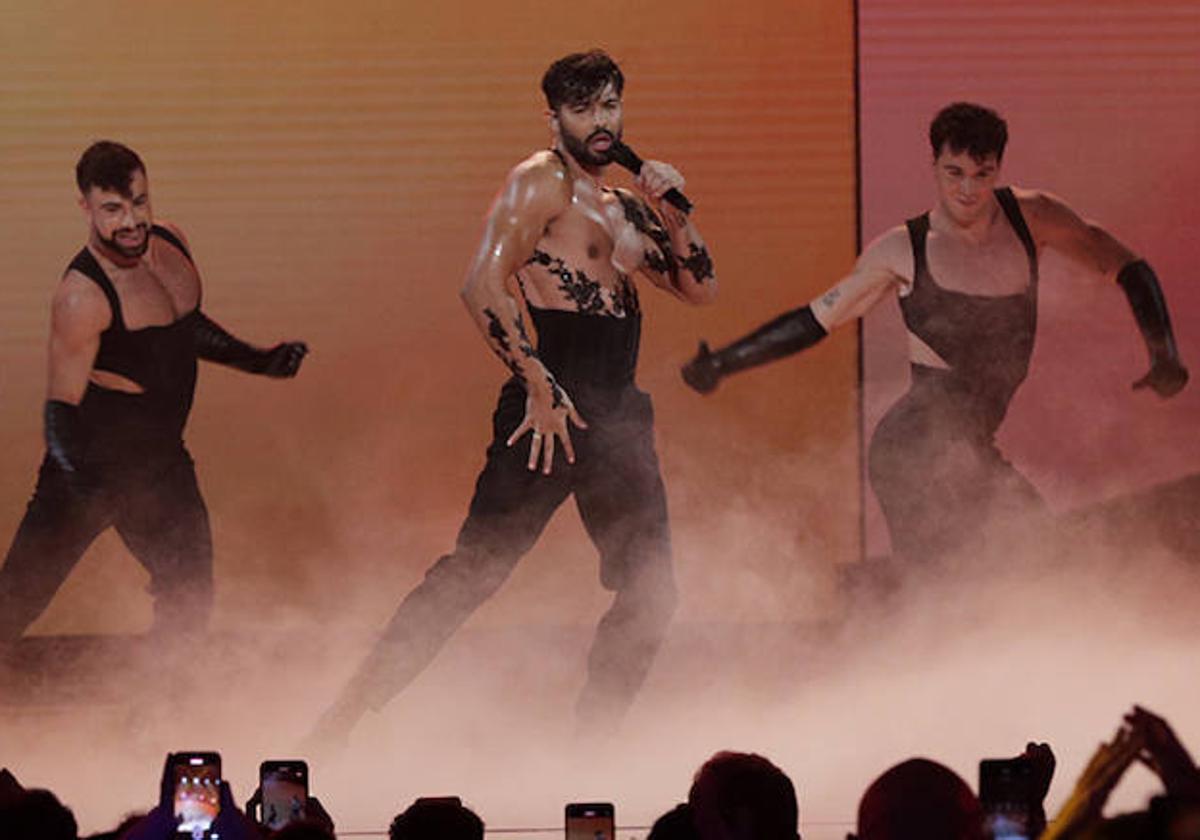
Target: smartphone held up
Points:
(1006, 792)
(284, 788)
(590, 821)
(196, 778)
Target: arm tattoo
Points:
(698, 262)
(644, 219)
(497, 332)
(523, 342)
(502, 343)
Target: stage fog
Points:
(332, 167)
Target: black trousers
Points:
(155, 505)
(942, 483)
(621, 500)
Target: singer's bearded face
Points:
(589, 129)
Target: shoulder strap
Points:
(86, 264)
(165, 233)
(1012, 211)
(918, 230)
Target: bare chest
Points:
(571, 268)
(160, 289)
(997, 266)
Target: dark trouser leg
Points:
(919, 508)
(508, 512)
(941, 487)
(623, 505)
(59, 525)
(164, 523)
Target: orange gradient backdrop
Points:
(331, 164)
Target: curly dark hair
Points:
(577, 78)
(966, 127)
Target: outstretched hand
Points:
(1166, 377)
(702, 372)
(546, 417)
(283, 360)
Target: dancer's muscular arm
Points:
(215, 344)
(536, 192)
(876, 272)
(1053, 223)
(78, 315)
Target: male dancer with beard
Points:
(126, 331)
(572, 245)
(966, 274)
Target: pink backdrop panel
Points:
(1103, 107)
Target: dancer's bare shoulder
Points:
(889, 256)
(79, 309)
(537, 187)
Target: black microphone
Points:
(625, 157)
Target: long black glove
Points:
(1167, 374)
(216, 345)
(789, 333)
(64, 438)
(65, 442)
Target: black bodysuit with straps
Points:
(138, 478)
(933, 461)
(159, 359)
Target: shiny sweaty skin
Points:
(552, 291)
(574, 244)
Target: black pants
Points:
(621, 500)
(155, 505)
(939, 478)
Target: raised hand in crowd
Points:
(1042, 762)
(1082, 810)
(1164, 754)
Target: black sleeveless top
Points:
(161, 359)
(986, 340)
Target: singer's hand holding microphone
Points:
(658, 178)
(657, 174)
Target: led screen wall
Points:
(331, 165)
